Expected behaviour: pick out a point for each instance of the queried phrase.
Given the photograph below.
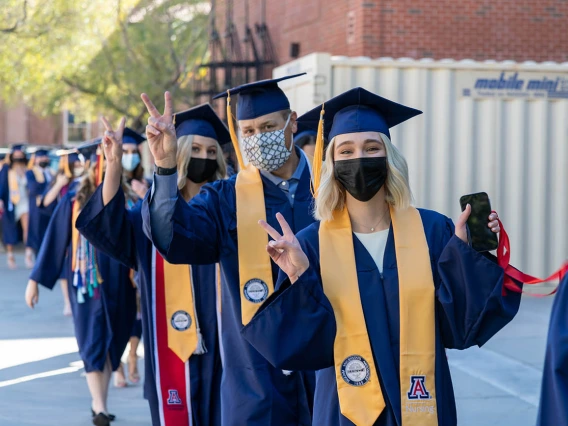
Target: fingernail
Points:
(271, 243)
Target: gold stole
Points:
(255, 270)
(184, 335)
(358, 386)
(13, 187)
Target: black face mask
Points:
(19, 160)
(43, 164)
(201, 169)
(362, 177)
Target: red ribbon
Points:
(503, 258)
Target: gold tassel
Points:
(233, 134)
(31, 162)
(64, 166)
(100, 164)
(318, 155)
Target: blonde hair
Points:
(88, 186)
(331, 195)
(185, 143)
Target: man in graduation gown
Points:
(39, 179)
(375, 322)
(253, 392)
(553, 408)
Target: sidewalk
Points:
(497, 385)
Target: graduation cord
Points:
(511, 273)
(86, 277)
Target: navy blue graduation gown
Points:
(295, 328)
(10, 233)
(553, 407)
(118, 232)
(38, 221)
(253, 392)
(103, 324)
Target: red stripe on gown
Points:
(172, 371)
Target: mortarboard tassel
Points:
(31, 162)
(100, 164)
(233, 133)
(318, 155)
(64, 165)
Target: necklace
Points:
(378, 223)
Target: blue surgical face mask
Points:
(130, 161)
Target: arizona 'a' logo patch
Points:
(173, 397)
(418, 388)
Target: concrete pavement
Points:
(41, 381)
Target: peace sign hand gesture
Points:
(112, 141)
(161, 132)
(285, 250)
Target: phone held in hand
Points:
(480, 235)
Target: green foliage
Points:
(97, 56)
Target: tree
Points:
(97, 56)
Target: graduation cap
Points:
(354, 111)
(203, 121)
(131, 137)
(18, 147)
(67, 156)
(255, 100)
(89, 149)
(259, 98)
(36, 152)
(41, 152)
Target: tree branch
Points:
(19, 22)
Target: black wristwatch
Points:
(162, 171)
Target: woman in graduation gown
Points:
(171, 380)
(14, 203)
(103, 299)
(373, 294)
(553, 407)
(134, 183)
(38, 179)
(70, 172)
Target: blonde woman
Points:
(373, 294)
(190, 383)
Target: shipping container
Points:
(498, 127)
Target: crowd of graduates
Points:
(273, 266)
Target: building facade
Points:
(528, 30)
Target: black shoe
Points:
(101, 419)
(111, 417)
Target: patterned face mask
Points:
(267, 151)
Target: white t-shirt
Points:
(375, 243)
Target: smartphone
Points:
(480, 235)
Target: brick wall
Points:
(20, 124)
(518, 30)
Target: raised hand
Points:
(140, 188)
(112, 141)
(461, 230)
(32, 294)
(285, 250)
(61, 180)
(161, 132)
